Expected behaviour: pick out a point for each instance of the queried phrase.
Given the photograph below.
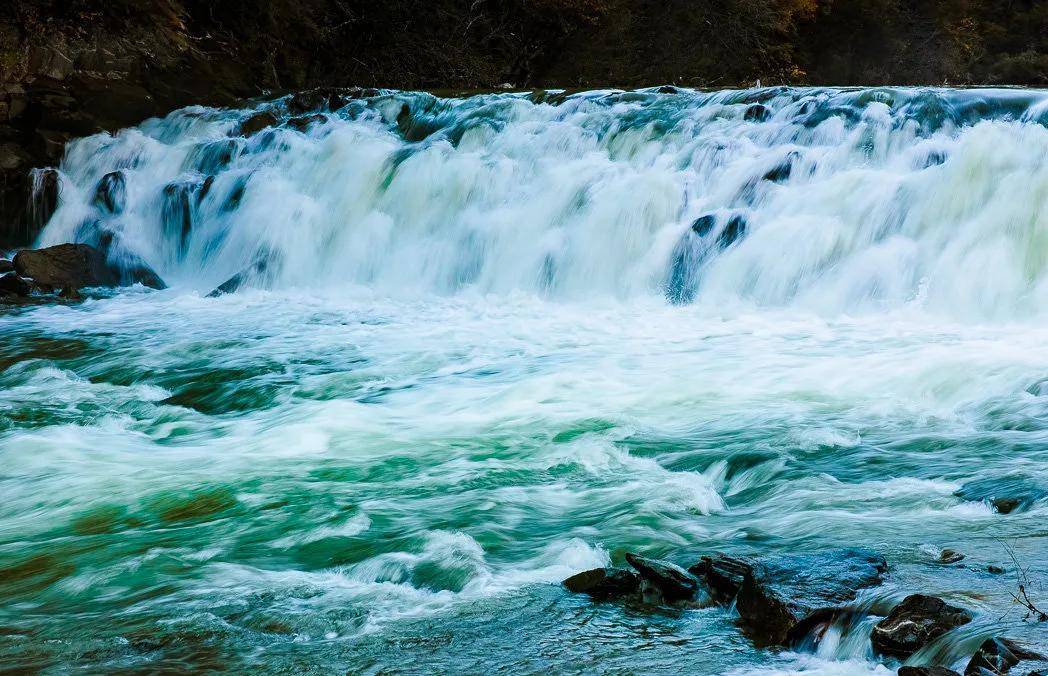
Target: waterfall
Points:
(835, 201)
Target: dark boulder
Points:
(257, 123)
(6, 266)
(781, 171)
(782, 599)
(325, 99)
(65, 265)
(605, 583)
(723, 575)
(302, 123)
(211, 157)
(756, 113)
(997, 656)
(927, 671)
(75, 266)
(914, 623)
(46, 190)
(1005, 494)
(733, 231)
(13, 285)
(111, 193)
(949, 556)
(672, 581)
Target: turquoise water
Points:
(470, 376)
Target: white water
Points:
(590, 197)
(464, 378)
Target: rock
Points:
(6, 266)
(69, 293)
(672, 581)
(261, 270)
(604, 583)
(65, 265)
(723, 575)
(13, 285)
(782, 171)
(927, 671)
(75, 266)
(1005, 494)
(45, 192)
(996, 570)
(733, 230)
(302, 123)
(257, 123)
(111, 193)
(914, 623)
(756, 113)
(211, 157)
(997, 656)
(783, 598)
(950, 556)
(324, 98)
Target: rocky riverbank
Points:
(793, 600)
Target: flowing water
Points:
(491, 341)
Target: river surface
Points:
(486, 349)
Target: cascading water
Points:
(488, 342)
(833, 201)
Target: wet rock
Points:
(998, 656)
(13, 285)
(126, 266)
(782, 171)
(948, 556)
(995, 570)
(723, 575)
(69, 293)
(65, 265)
(914, 623)
(683, 281)
(302, 123)
(1005, 494)
(672, 581)
(75, 266)
(214, 156)
(6, 266)
(257, 123)
(324, 98)
(756, 113)
(927, 671)
(44, 197)
(784, 598)
(733, 231)
(605, 583)
(111, 193)
(261, 271)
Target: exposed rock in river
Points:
(998, 656)
(75, 266)
(784, 598)
(605, 583)
(672, 581)
(914, 623)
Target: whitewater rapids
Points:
(503, 338)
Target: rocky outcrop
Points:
(997, 656)
(915, 623)
(76, 266)
(672, 582)
(782, 599)
(1004, 494)
(13, 285)
(605, 583)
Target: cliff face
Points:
(74, 67)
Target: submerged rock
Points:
(672, 581)
(260, 271)
(13, 285)
(1005, 494)
(998, 656)
(783, 598)
(302, 123)
(914, 623)
(257, 123)
(757, 113)
(111, 193)
(605, 583)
